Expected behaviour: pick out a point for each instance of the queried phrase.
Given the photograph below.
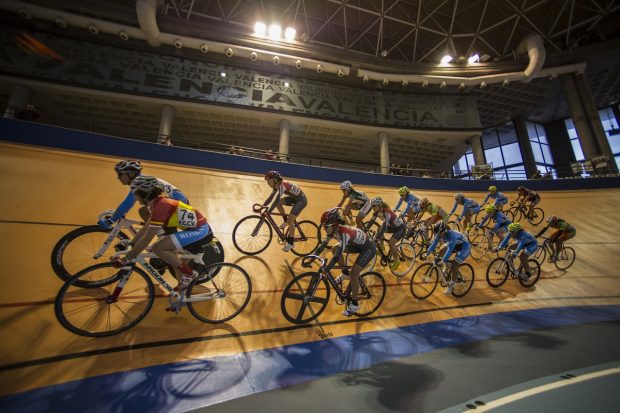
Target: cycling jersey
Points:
(412, 202)
(170, 213)
(390, 220)
(560, 225)
(286, 188)
(468, 205)
(169, 191)
(453, 239)
(524, 239)
(437, 212)
(500, 219)
(350, 240)
(500, 199)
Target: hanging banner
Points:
(86, 64)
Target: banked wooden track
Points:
(48, 193)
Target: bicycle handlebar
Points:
(259, 208)
(306, 263)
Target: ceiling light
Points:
(275, 31)
(289, 34)
(260, 29)
(462, 86)
(286, 84)
(473, 59)
(384, 53)
(425, 83)
(505, 82)
(485, 58)
(386, 82)
(483, 85)
(405, 82)
(365, 79)
(446, 59)
(443, 84)
(223, 74)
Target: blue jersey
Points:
(169, 191)
(500, 219)
(524, 238)
(452, 239)
(468, 204)
(412, 202)
(500, 199)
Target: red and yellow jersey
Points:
(170, 213)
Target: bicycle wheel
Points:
(464, 281)
(225, 296)
(453, 225)
(76, 250)
(497, 272)
(479, 216)
(372, 293)
(566, 258)
(350, 258)
(540, 254)
(90, 311)
(514, 214)
(421, 242)
(306, 238)
(479, 246)
(252, 235)
(534, 274)
(537, 216)
(424, 281)
(304, 298)
(406, 255)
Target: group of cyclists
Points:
(167, 213)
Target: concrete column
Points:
(476, 148)
(285, 127)
(591, 112)
(529, 162)
(165, 124)
(582, 126)
(384, 152)
(561, 149)
(19, 99)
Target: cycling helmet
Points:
(521, 189)
(273, 175)
(346, 185)
(492, 188)
(376, 201)
(490, 209)
(423, 203)
(145, 184)
(332, 216)
(128, 166)
(514, 227)
(458, 196)
(552, 219)
(403, 190)
(439, 227)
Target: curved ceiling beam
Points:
(146, 10)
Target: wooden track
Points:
(48, 193)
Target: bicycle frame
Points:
(268, 216)
(325, 273)
(123, 223)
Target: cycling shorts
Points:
(462, 252)
(298, 203)
(190, 236)
(365, 252)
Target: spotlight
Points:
(340, 73)
(260, 29)
(405, 82)
(229, 52)
(123, 35)
(473, 59)
(289, 34)
(365, 79)
(483, 85)
(223, 74)
(384, 53)
(286, 84)
(60, 22)
(177, 43)
(462, 86)
(93, 29)
(443, 84)
(276, 60)
(425, 83)
(204, 48)
(385, 82)
(505, 82)
(299, 64)
(25, 14)
(319, 68)
(275, 31)
(253, 56)
(446, 59)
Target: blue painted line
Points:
(53, 137)
(190, 385)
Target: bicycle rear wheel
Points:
(454, 225)
(424, 281)
(566, 258)
(225, 295)
(479, 245)
(76, 250)
(252, 235)
(464, 281)
(534, 274)
(497, 272)
(537, 216)
(406, 255)
(91, 312)
(540, 254)
(304, 298)
(306, 238)
(372, 293)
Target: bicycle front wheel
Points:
(76, 250)
(514, 214)
(406, 255)
(424, 281)
(306, 238)
(92, 311)
(222, 298)
(252, 235)
(497, 272)
(566, 258)
(372, 293)
(540, 254)
(534, 274)
(479, 245)
(537, 216)
(454, 225)
(464, 281)
(304, 298)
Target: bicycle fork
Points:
(124, 276)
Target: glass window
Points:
(516, 172)
(542, 136)
(531, 131)
(470, 158)
(538, 156)
(494, 157)
(577, 149)
(489, 138)
(618, 161)
(614, 142)
(547, 154)
(512, 154)
(507, 133)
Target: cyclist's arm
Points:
(382, 229)
(341, 201)
(124, 207)
(268, 200)
(456, 204)
(276, 201)
(486, 198)
(347, 208)
(400, 201)
(150, 231)
(449, 251)
(542, 231)
(504, 241)
(338, 252)
(433, 245)
(323, 245)
(484, 220)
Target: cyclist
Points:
(357, 200)
(500, 198)
(525, 195)
(525, 245)
(470, 207)
(564, 231)
(437, 212)
(127, 171)
(296, 198)
(171, 215)
(501, 223)
(351, 240)
(412, 208)
(391, 223)
(454, 241)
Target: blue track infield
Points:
(190, 385)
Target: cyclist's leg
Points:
(553, 244)
(359, 219)
(144, 212)
(167, 246)
(461, 256)
(566, 235)
(396, 236)
(367, 252)
(298, 206)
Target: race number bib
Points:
(293, 189)
(186, 217)
(360, 238)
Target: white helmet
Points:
(146, 184)
(346, 185)
(376, 201)
(128, 166)
(458, 196)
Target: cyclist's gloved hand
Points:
(495, 249)
(106, 223)
(513, 255)
(424, 256)
(120, 262)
